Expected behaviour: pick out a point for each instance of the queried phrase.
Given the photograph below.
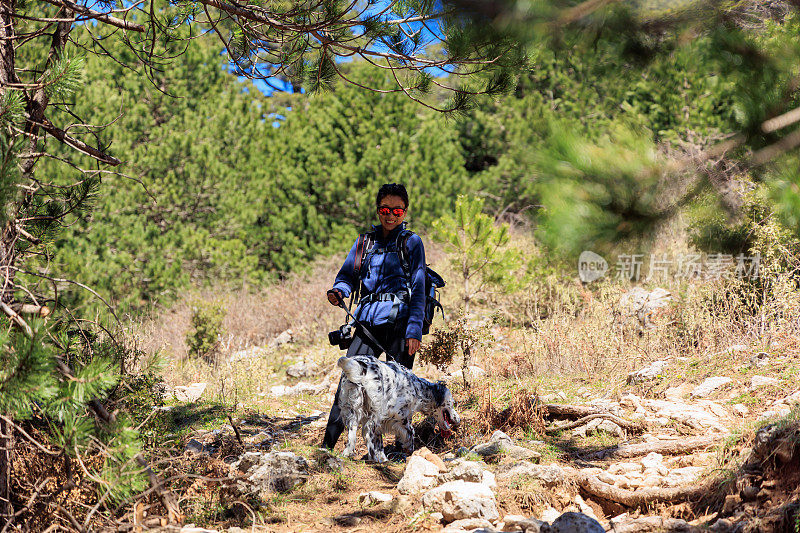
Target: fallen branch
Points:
(653, 523)
(639, 497)
(16, 319)
(672, 447)
(167, 498)
(621, 422)
(564, 410)
(236, 430)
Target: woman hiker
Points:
(392, 295)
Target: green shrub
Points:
(204, 337)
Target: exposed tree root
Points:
(640, 497)
(621, 422)
(675, 447)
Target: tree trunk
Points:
(6, 447)
(7, 73)
(7, 76)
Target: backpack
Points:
(433, 280)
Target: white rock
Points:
(649, 372)
(709, 385)
(629, 482)
(373, 498)
(597, 425)
(652, 481)
(190, 393)
(465, 471)
(696, 416)
(548, 474)
(510, 522)
(549, 515)
(677, 393)
(763, 381)
(303, 369)
(499, 435)
(420, 474)
(271, 472)
(652, 460)
(775, 413)
(457, 500)
(624, 468)
(300, 388)
(685, 475)
(606, 405)
(641, 303)
(714, 407)
(467, 524)
(499, 443)
(632, 401)
(737, 348)
(249, 353)
(605, 477)
(284, 338)
(472, 373)
(436, 517)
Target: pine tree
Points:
(478, 246)
(43, 48)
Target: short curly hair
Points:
(392, 189)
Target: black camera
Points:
(341, 337)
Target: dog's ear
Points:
(439, 390)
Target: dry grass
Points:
(252, 316)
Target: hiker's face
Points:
(390, 220)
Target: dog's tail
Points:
(352, 369)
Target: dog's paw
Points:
(348, 453)
(377, 458)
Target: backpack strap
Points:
(402, 251)
(363, 246)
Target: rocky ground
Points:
(684, 458)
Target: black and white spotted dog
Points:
(382, 397)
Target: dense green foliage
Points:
(237, 187)
(234, 187)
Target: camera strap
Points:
(367, 333)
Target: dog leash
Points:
(366, 332)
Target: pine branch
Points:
(102, 17)
(79, 145)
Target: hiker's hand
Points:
(335, 297)
(413, 346)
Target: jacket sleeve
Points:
(416, 253)
(345, 281)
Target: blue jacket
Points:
(382, 272)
